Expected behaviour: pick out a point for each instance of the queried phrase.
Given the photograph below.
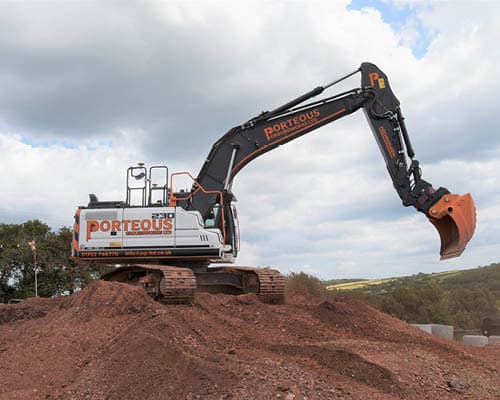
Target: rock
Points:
(458, 385)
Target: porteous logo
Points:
(290, 125)
(132, 226)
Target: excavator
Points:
(166, 240)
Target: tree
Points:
(419, 302)
(57, 272)
(472, 304)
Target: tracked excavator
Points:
(166, 240)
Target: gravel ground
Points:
(111, 341)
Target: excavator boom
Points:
(454, 216)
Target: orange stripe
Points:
(76, 226)
(387, 141)
(261, 149)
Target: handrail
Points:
(172, 200)
(235, 216)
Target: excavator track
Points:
(178, 285)
(164, 283)
(271, 285)
(171, 284)
(268, 284)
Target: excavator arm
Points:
(454, 216)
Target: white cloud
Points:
(48, 182)
(160, 82)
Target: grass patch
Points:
(360, 284)
(304, 283)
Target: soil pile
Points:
(111, 341)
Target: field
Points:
(381, 284)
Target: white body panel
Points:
(169, 231)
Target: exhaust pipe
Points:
(454, 217)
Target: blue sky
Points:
(44, 143)
(398, 16)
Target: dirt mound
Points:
(352, 316)
(346, 363)
(111, 341)
(108, 300)
(27, 310)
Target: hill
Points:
(461, 298)
(111, 341)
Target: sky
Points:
(89, 88)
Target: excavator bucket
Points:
(454, 217)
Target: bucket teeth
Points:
(454, 217)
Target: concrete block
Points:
(424, 327)
(494, 340)
(474, 340)
(444, 331)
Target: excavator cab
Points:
(454, 217)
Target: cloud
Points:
(87, 70)
(49, 182)
(90, 88)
